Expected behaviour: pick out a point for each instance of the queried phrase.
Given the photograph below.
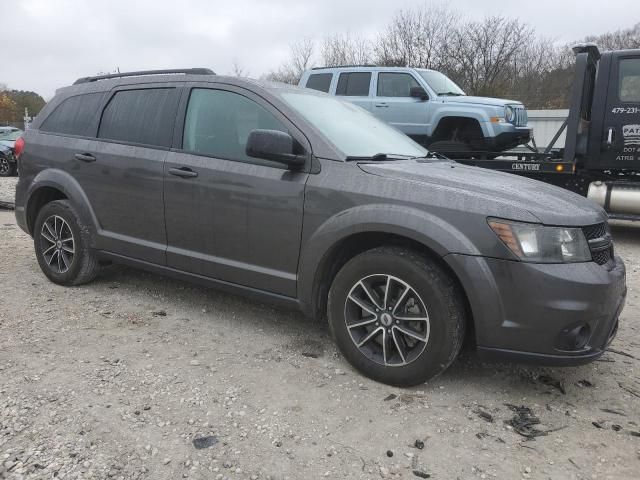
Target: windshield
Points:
(353, 130)
(10, 135)
(440, 83)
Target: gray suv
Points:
(429, 107)
(301, 198)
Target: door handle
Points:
(610, 137)
(85, 157)
(382, 105)
(183, 172)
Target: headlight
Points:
(542, 244)
(509, 114)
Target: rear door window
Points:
(395, 84)
(140, 116)
(629, 84)
(354, 84)
(74, 115)
(319, 81)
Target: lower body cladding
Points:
(548, 314)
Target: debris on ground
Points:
(615, 412)
(204, 442)
(159, 313)
(389, 453)
(391, 396)
(623, 353)
(486, 416)
(552, 382)
(524, 421)
(419, 444)
(584, 383)
(597, 424)
(421, 474)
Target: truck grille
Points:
(600, 243)
(521, 116)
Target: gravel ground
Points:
(8, 189)
(136, 376)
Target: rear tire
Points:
(419, 331)
(62, 245)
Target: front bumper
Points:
(509, 138)
(523, 311)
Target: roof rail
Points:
(345, 66)
(185, 71)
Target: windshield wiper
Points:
(378, 157)
(432, 155)
(452, 94)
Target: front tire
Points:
(62, 247)
(396, 316)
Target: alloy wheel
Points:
(58, 245)
(387, 320)
(4, 166)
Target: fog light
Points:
(574, 337)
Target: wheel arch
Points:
(322, 258)
(445, 123)
(52, 185)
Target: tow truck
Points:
(601, 156)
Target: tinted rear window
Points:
(320, 81)
(354, 84)
(140, 116)
(73, 116)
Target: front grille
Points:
(600, 243)
(521, 116)
(593, 232)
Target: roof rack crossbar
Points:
(185, 71)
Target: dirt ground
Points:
(136, 376)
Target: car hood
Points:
(8, 143)
(502, 194)
(468, 99)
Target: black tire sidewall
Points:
(442, 345)
(63, 210)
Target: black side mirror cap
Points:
(273, 145)
(418, 92)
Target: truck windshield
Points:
(353, 130)
(440, 83)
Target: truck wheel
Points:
(7, 168)
(62, 247)
(396, 316)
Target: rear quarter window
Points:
(74, 115)
(319, 81)
(145, 116)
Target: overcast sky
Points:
(53, 42)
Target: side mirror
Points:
(273, 145)
(418, 92)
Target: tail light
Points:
(18, 147)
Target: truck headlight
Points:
(541, 244)
(509, 113)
